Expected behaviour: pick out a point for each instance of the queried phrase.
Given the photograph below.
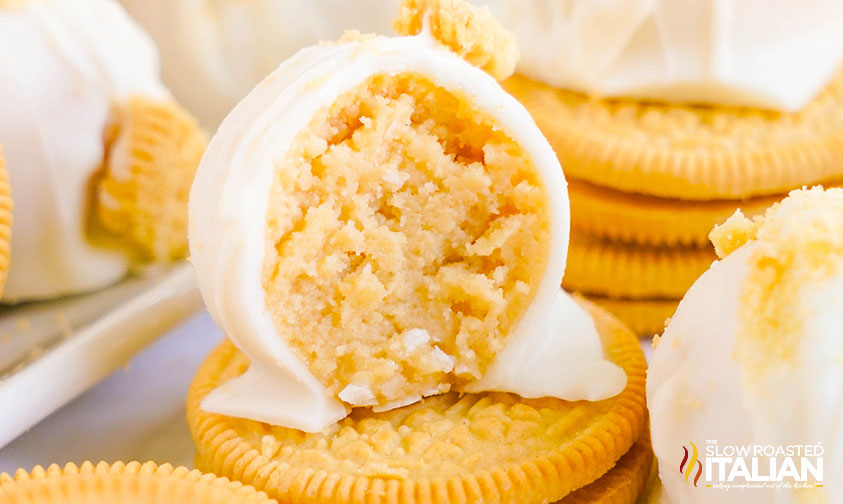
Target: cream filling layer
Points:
(228, 205)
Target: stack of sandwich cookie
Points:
(663, 137)
(119, 483)
(381, 231)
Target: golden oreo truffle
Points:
(378, 222)
(753, 354)
(451, 448)
(132, 483)
(99, 157)
(431, 254)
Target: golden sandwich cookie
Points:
(132, 483)
(652, 493)
(644, 317)
(619, 270)
(449, 448)
(623, 484)
(648, 220)
(6, 206)
(686, 151)
(142, 193)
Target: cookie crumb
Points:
(732, 234)
(799, 245)
(471, 32)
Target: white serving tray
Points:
(52, 351)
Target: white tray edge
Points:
(80, 362)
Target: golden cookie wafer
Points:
(200, 464)
(601, 267)
(645, 317)
(446, 449)
(5, 221)
(119, 483)
(143, 190)
(469, 31)
(648, 220)
(623, 484)
(685, 151)
(653, 492)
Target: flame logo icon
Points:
(687, 466)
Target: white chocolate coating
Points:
(215, 51)
(697, 390)
(773, 54)
(65, 63)
(228, 206)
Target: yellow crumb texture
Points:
(686, 151)
(397, 231)
(123, 483)
(470, 31)
(451, 448)
(656, 340)
(142, 192)
(5, 221)
(799, 244)
(733, 234)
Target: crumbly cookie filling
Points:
(470, 31)
(406, 235)
(799, 243)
